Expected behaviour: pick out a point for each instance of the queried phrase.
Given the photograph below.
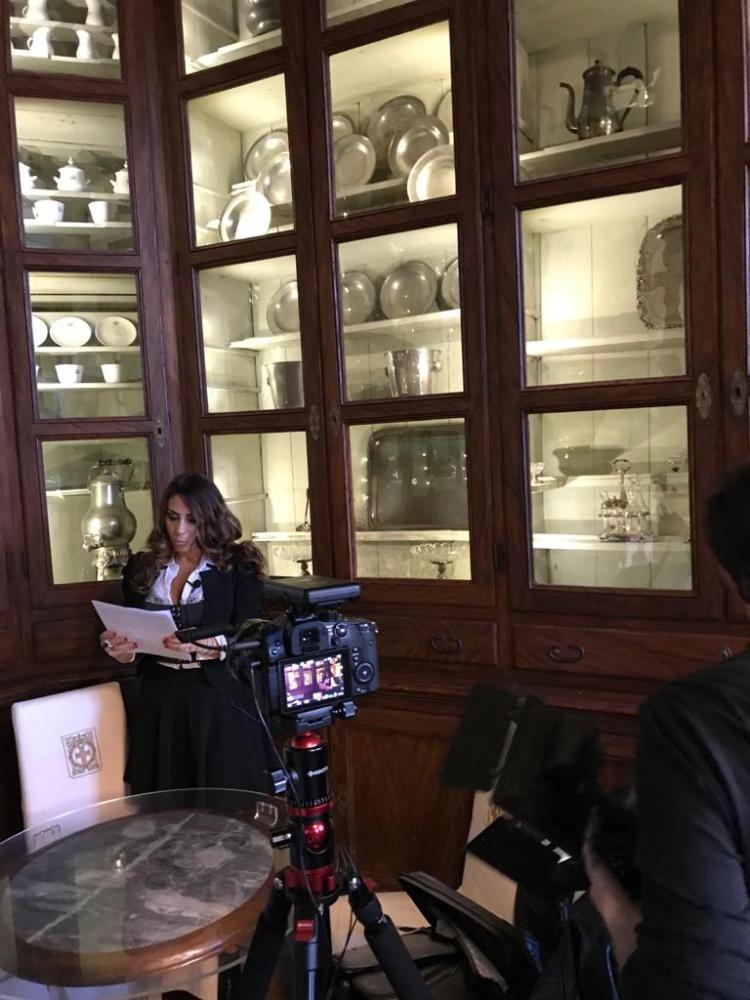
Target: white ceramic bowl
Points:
(69, 374)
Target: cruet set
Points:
(623, 513)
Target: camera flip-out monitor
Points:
(305, 683)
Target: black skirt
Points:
(192, 733)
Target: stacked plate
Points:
(410, 290)
(264, 149)
(358, 298)
(282, 313)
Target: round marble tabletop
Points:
(141, 891)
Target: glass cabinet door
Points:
(73, 175)
(400, 314)
(98, 497)
(215, 32)
(604, 289)
(391, 120)
(86, 345)
(596, 84)
(410, 499)
(610, 498)
(65, 36)
(241, 169)
(251, 336)
(347, 10)
(264, 479)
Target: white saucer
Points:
(39, 330)
(70, 331)
(115, 331)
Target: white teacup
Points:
(111, 373)
(102, 211)
(49, 210)
(69, 374)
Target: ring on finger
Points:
(106, 643)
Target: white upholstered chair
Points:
(481, 883)
(71, 750)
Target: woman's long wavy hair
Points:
(218, 532)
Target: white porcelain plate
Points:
(116, 331)
(70, 331)
(39, 330)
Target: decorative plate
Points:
(354, 161)
(115, 331)
(410, 290)
(660, 278)
(450, 292)
(444, 110)
(282, 314)
(39, 330)
(264, 149)
(246, 214)
(390, 118)
(358, 298)
(341, 125)
(275, 179)
(70, 331)
(413, 141)
(433, 175)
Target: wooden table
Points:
(133, 896)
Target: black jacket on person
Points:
(693, 788)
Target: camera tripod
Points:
(309, 885)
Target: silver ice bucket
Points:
(409, 372)
(285, 381)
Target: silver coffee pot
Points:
(598, 114)
(107, 526)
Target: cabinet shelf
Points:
(238, 50)
(656, 140)
(79, 195)
(92, 349)
(64, 387)
(631, 343)
(353, 10)
(29, 27)
(75, 228)
(592, 543)
(25, 60)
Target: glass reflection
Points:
(52, 36)
(392, 132)
(251, 341)
(70, 471)
(87, 350)
(264, 480)
(239, 146)
(215, 32)
(595, 83)
(410, 500)
(399, 303)
(610, 498)
(604, 289)
(73, 175)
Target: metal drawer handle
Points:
(446, 645)
(559, 654)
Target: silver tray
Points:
(275, 179)
(353, 161)
(245, 215)
(450, 292)
(433, 175)
(390, 118)
(410, 290)
(282, 313)
(341, 125)
(413, 141)
(264, 149)
(444, 110)
(358, 298)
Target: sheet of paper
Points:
(147, 628)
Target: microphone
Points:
(208, 632)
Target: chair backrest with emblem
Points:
(71, 750)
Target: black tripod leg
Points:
(266, 944)
(387, 945)
(312, 953)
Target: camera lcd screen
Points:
(313, 681)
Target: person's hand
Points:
(619, 912)
(172, 643)
(119, 647)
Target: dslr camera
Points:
(314, 661)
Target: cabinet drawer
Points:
(652, 655)
(439, 640)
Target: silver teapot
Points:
(107, 526)
(598, 114)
